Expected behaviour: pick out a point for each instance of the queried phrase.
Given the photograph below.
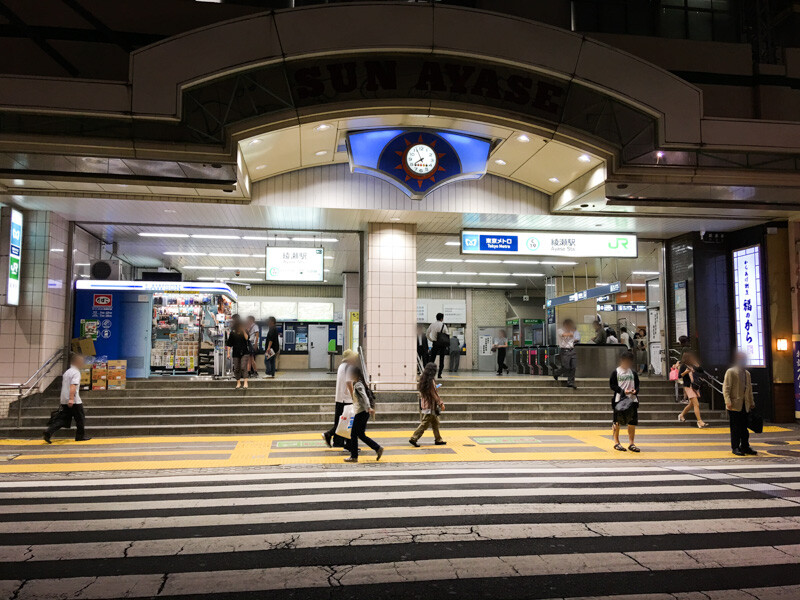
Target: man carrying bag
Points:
(440, 338)
(737, 388)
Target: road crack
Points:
(163, 583)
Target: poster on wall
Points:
(654, 325)
(422, 311)
(747, 299)
(485, 345)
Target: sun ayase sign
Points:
(541, 243)
(747, 296)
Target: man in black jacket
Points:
(271, 346)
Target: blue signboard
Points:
(417, 161)
(796, 362)
(595, 292)
(550, 243)
(621, 308)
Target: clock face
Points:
(421, 159)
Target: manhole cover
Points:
(790, 453)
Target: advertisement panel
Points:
(14, 258)
(548, 243)
(295, 264)
(748, 304)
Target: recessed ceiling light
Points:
(473, 283)
(483, 260)
(584, 158)
(322, 127)
(320, 153)
(163, 235)
(500, 162)
(441, 283)
(558, 262)
(81, 264)
(443, 260)
(422, 283)
(254, 142)
(504, 284)
(429, 272)
(521, 262)
(209, 236)
(257, 237)
(523, 138)
(460, 273)
(553, 180)
(170, 211)
(527, 274)
(56, 249)
(452, 243)
(260, 167)
(394, 219)
(229, 254)
(660, 154)
(494, 274)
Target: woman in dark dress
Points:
(240, 350)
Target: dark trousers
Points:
(422, 352)
(501, 360)
(455, 359)
(441, 351)
(338, 441)
(359, 433)
(67, 414)
(269, 363)
(740, 436)
(567, 359)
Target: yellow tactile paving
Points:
(306, 448)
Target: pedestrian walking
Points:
(422, 346)
(689, 372)
(567, 337)
(737, 389)
(455, 354)
(252, 341)
(240, 350)
(70, 403)
(272, 347)
(624, 382)
(501, 347)
(343, 397)
(430, 407)
(364, 407)
(439, 336)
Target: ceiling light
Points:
(229, 254)
(326, 270)
(56, 249)
(311, 239)
(483, 260)
(394, 219)
(206, 278)
(521, 262)
(281, 239)
(660, 154)
(584, 158)
(257, 237)
(170, 211)
(328, 257)
(500, 162)
(443, 260)
(261, 167)
(441, 283)
(164, 235)
(553, 180)
(201, 268)
(422, 283)
(460, 273)
(635, 284)
(209, 236)
(528, 275)
(320, 153)
(185, 253)
(645, 273)
(18, 182)
(601, 283)
(81, 264)
(523, 138)
(238, 279)
(452, 243)
(558, 262)
(254, 142)
(322, 127)
(429, 272)
(504, 284)
(494, 274)
(473, 283)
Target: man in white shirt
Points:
(252, 340)
(440, 338)
(344, 396)
(567, 337)
(71, 404)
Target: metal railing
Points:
(31, 386)
(712, 381)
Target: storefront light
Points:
(782, 344)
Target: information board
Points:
(294, 264)
(547, 243)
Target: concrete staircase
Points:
(175, 407)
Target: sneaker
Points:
(351, 459)
(440, 443)
(413, 443)
(328, 439)
(378, 453)
(47, 438)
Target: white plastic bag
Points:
(345, 424)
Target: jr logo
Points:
(619, 243)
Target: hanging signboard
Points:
(295, 264)
(546, 243)
(621, 308)
(747, 298)
(595, 292)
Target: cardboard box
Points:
(99, 384)
(83, 346)
(118, 364)
(116, 385)
(99, 374)
(116, 375)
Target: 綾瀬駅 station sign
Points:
(549, 243)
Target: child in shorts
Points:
(624, 383)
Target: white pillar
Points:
(390, 304)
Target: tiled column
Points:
(390, 304)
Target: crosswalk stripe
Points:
(397, 535)
(122, 504)
(789, 592)
(357, 514)
(329, 485)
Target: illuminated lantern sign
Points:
(417, 161)
(749, 313)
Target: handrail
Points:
(26, 389)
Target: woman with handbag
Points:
(364, 407)
(624, 382)
(430, 406)
(240, 350)
(690, 370)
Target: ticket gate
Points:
(533, 360)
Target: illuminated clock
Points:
(421, 159)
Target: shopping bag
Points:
(754, 421)
(345, 424)
(673, 373)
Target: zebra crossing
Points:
(639, 532)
